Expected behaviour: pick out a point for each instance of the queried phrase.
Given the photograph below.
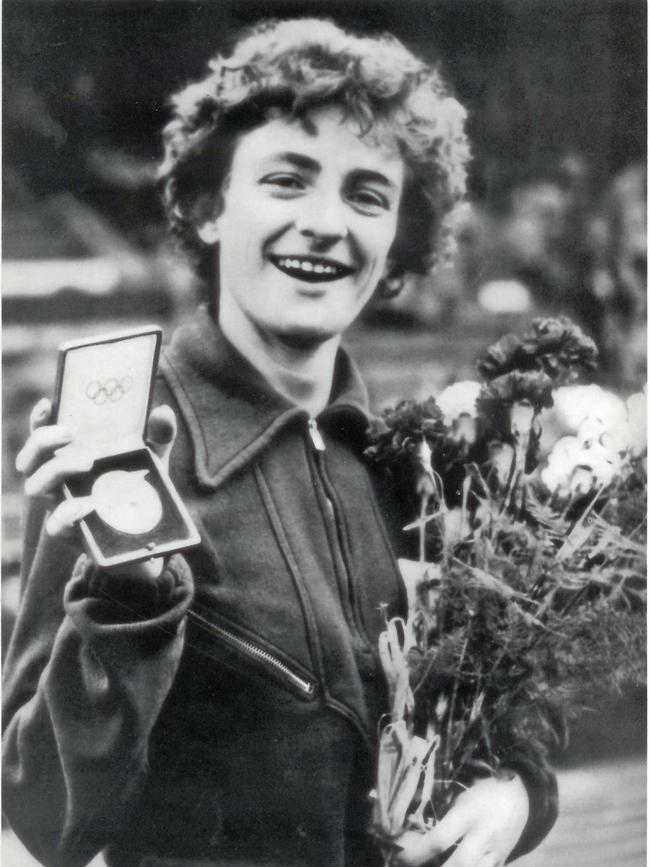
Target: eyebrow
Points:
(370, 175)
(302, 161)
(299, 160)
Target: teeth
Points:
(304, 265)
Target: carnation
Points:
(459, 399)
(591, 413)
(574, 467)
(556, 347)
(575, 403)
(516, 387)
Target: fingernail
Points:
(41, 409)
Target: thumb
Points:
(40, 414)
(161, 432)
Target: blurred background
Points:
(555, 223)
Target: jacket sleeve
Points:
(91, 660)
(541, 785)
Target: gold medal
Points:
(126, 502)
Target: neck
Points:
(301, 371)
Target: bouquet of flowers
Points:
(526, 579)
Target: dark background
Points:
(540, 79)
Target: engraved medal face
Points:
(127, 502)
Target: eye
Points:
(284, 182)
(368, 200)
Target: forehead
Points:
(326, 136)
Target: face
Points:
(309, 215)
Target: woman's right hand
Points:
(44, 471)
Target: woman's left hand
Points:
(485, 821)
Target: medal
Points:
(126, 502)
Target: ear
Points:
(208, 232)
(392, 283)
(211, 207)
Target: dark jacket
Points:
(228, 711)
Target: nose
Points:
(323, 218)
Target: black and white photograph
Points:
(324, 428)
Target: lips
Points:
(311, 269)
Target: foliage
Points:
(525, 603)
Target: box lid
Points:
(104, 387)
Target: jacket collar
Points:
(231, 411)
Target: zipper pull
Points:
(316, 436)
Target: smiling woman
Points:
(287, 69)
(305, 226)
(221, 707)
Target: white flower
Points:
(637, 416)
(578, 465)
(575, 403)
(560, 464)
(459, 399)
(593, 432)
(596, 416)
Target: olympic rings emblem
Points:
(111, 390)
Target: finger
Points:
(40, 414)
(161, 432)
(50, 474)
(422, 847)
(471, 851)
(64, 519)
(40, 445)
(490, 860)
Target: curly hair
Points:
(294, 66)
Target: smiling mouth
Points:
(311, 269)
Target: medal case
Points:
(103, 394)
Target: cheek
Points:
(381, 242)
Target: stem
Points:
(538, 586)
(424, 498)
(452, 707)
(547, 605)
(637, 528)
(574, 600)
(512, 474)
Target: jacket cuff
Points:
(103, 600)
(541, 786)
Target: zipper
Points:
(315, 435)
(318, 443)
(306, 686)
(329, 495)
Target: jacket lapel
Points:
(230, 410)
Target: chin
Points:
(307, 334)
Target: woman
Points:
(221, 708)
